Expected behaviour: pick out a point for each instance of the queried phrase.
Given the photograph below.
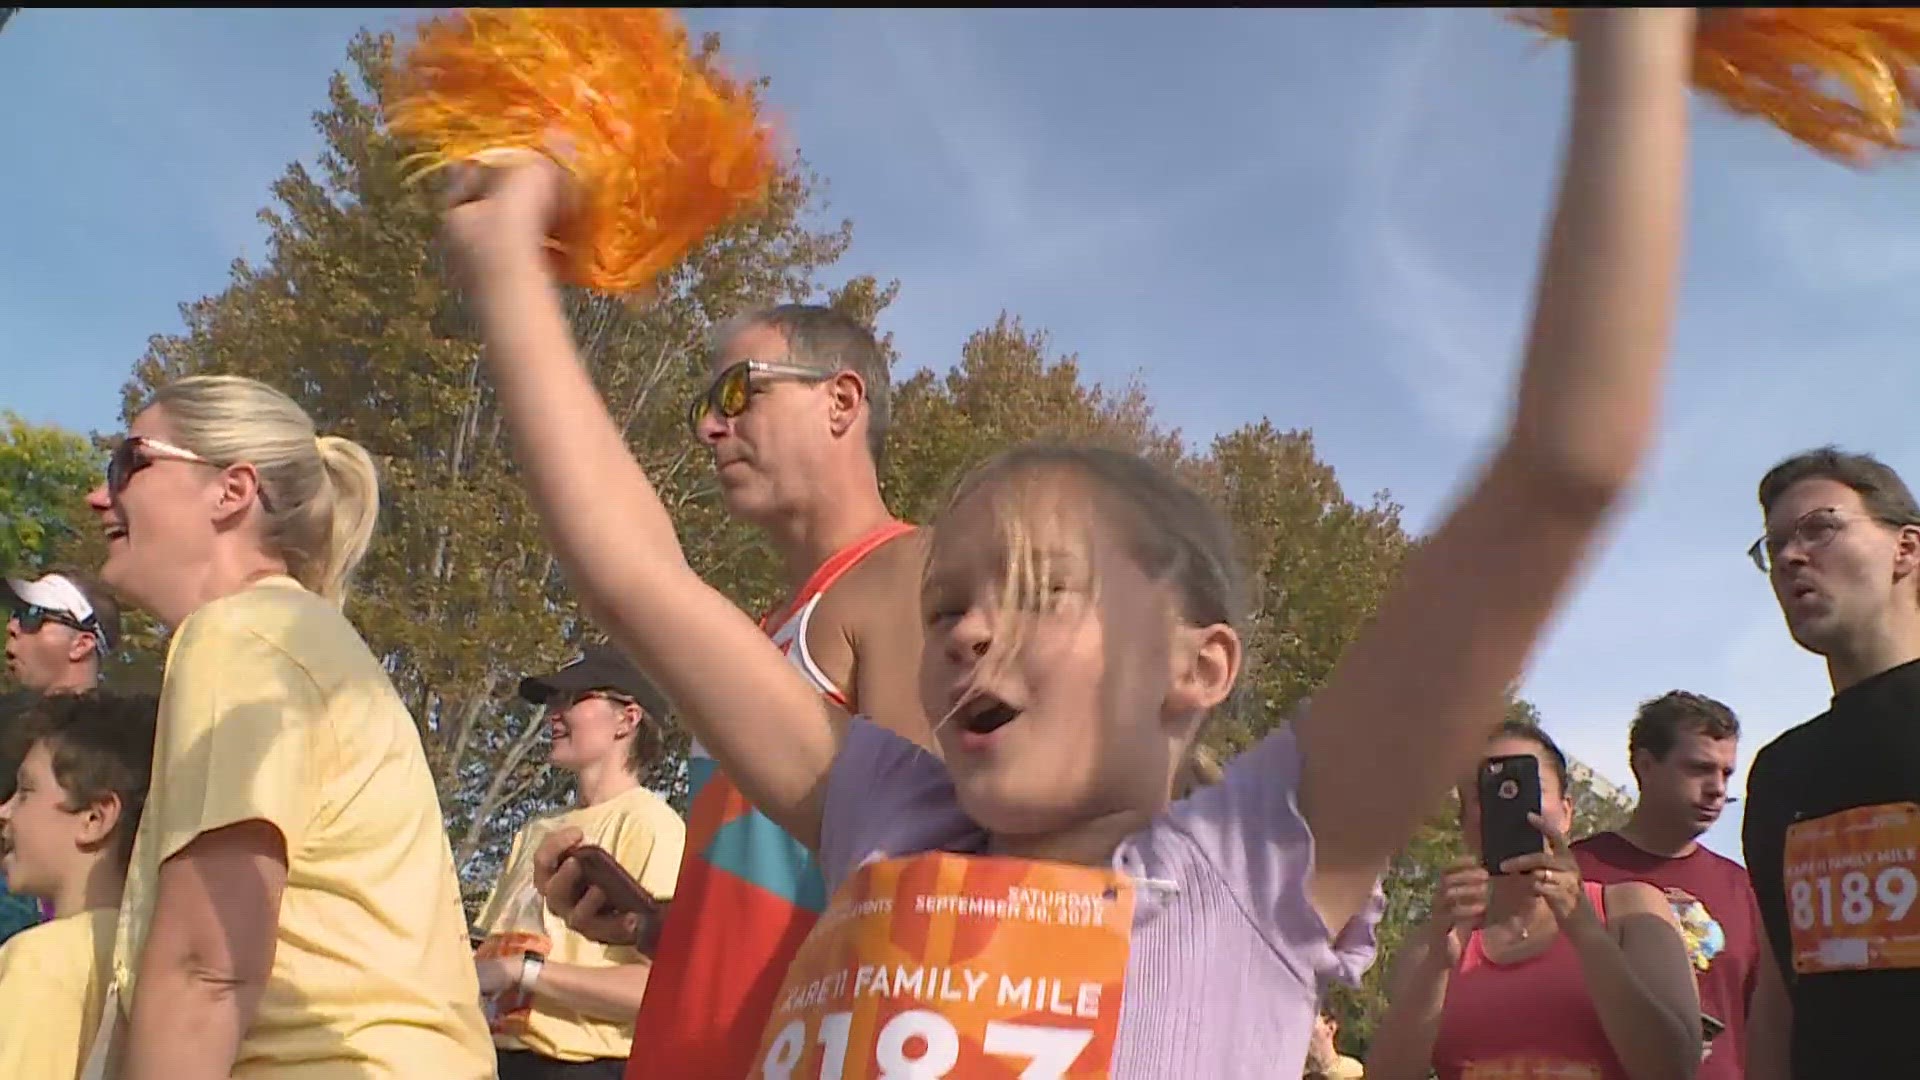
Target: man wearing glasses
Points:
(795, 416)
(59, 627)
(1832, 830)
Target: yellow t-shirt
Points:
(273, 709)
(53, 984)
(646, 837)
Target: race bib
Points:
(1531, 1067)
(1852, 879)
(951, 965)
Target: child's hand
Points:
(504, 206)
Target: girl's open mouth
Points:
(989, 717)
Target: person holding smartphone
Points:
(1526, 969)
(604, 719)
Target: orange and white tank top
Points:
(788, 628)
(747, 896)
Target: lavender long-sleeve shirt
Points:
(1227, 960)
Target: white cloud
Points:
(1461, 340)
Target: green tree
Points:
(45, 474)
(45, 524)
(1005, 390)
(1320, 564)
(350, 313)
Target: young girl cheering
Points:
(1039, 904)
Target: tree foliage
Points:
(45, 474)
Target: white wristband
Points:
(530, 965)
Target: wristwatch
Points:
(530, 965)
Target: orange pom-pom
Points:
(1781, 63)
(664, 148)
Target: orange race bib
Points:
(1852, 880)
(1531, 1067)
(944, 965)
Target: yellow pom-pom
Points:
(664, 148)
(1784, 64)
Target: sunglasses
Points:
(32, 617)
(727, 396)
(136, 452)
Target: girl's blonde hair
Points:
(320, 493)
(1173, 533)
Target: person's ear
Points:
(83, 645)
(1206, 662)
(630, 720)
(846, 392)
(99, 819)
(239, 489)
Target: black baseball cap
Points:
(598, 667)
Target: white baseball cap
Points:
(60, 593)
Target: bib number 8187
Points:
(1050, 1052)
(1895, 887)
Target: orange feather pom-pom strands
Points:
(1785, 64)
(663, 147)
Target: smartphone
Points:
(1711, 1027)
(599, 867)
(1509, 791)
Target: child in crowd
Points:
(1036, 897)
(67, 833)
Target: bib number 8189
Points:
(1895, 887)
(1050, 1052)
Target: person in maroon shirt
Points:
(1682, 749)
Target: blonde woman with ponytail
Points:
(292, 908)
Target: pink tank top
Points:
(1530, 1020)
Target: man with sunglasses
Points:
(1832, 829)
(59, 627)
(795, 414)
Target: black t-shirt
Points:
(1832, 838)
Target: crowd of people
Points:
(949, 816)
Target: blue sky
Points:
(1326, 218)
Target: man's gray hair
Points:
(829, 341)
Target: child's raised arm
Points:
(751, 709)
(1408, 708)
